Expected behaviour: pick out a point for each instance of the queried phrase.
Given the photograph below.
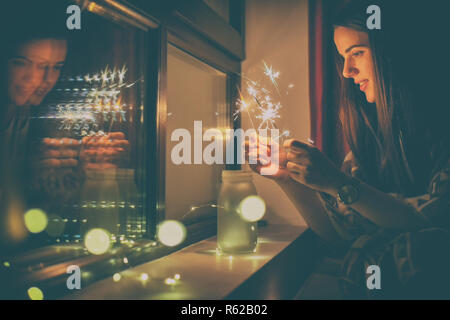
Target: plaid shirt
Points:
(434, 206)
(403, 257)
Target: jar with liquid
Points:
(234, 233)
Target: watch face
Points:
(348, 194)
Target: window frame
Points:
(201, 32)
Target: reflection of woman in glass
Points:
(34, 69)
(31, 63)
(389, 206)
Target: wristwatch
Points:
(348, 193)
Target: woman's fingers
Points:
(295, 167)
(300, 158)
(297, 146)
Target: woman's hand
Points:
(308, 165)
(260, 151)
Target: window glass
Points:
(196, 94)
(76, 129)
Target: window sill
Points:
(284, 258)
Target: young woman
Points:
(30, 65)
(389, 203)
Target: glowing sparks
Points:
(243, 106)
(268, 114)
(121, 74)
(99, 103)
(285, 133)
(273, 75)
(104, 76)
(261, 104)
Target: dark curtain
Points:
(324, 87)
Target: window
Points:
(95, 139)
(196, 94)
(222, 7)
(86, 145)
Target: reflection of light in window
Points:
(97, 241)
(36, 220)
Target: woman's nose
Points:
(349, 70)
(34, 76)
(50, 76)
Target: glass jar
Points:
(132, 223)
(235, 234)
(99, 201)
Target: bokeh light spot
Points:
(35, 293)
(171, 233)
(144, 276)
(35, 220)
(117, 277)
(97, 241)
(252, 208)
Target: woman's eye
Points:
(357, 54)
(19, 63)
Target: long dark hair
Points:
(403, 140)
(22, 21)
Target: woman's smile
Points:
(363, 85)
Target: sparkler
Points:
(264, 106)
(273, 75)
(100, 100)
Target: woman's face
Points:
(354, 47)
(34, 70)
